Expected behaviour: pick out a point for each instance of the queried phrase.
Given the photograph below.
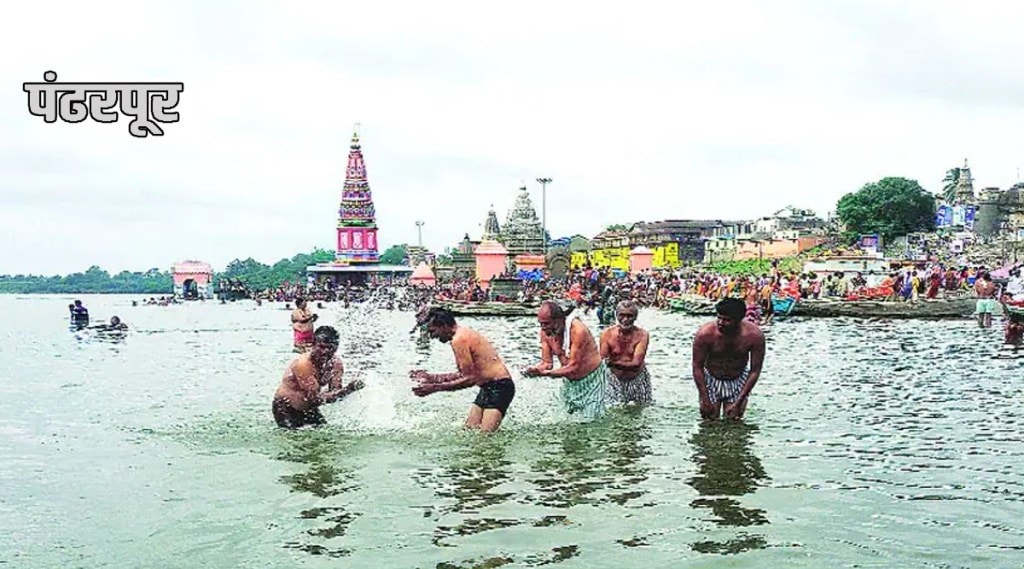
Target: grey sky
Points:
(639, 111)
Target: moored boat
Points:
(923, 309)
(490, 308)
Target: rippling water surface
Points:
(866, 444)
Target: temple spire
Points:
(357, 219)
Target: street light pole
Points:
(544, 210)
(419, 231)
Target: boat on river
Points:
(922, 309)
(833, 308)
(490, 308)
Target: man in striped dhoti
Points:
(727, 358)
(585, 375)
(624, 347)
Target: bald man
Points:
(585, 375)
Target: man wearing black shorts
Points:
(478, 364)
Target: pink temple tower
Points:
(357, 220)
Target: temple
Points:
(356, 254)
(357, 220)
(522, 233)
(965, 187)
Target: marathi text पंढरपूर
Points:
(147, 103)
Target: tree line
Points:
(890, 207)
(252, 273)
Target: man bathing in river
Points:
(586, 376)
(302, 325)
(624, 348)
(478, 365)
(727, 358)
(299, 397)
(985, 290)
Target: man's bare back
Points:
(583, 352)
(483, 364)
(985, 288)
(620, 349)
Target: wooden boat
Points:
(503, 309)
(833, 308)
(924, 308)
(691, 305)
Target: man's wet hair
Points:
(734, 308)
(438, 316)
(299, 300)
(1016, 317)
(626, 305)
(557, 311)
(326, 335)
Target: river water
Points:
(866, 444)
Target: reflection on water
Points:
(324, 479)
(727, 469)
(595, 465)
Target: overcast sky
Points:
(638, 111)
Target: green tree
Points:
(890, 207)
(618, 227)
(395, 255)
(949, 185)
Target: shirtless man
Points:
(478, 364)
(985, 290)
(302, 325)
(727, 358)
(586, 376)
(624, 349)
(299, 397)
(765, 296)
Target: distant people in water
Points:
(311, 380)
(727, 358)
(1014, 331)
(477, 364)
(79, 314)
(585, 375)
(115, 325)
(302, 325)
(624, 349)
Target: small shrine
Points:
(640, 259)
(491, 261)
(192, 280)
(463, 261)
(423, 276)
(492, 231)
(523, 232)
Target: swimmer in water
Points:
(478, 365)
(1014, 331)
(301, 393)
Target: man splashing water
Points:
(302, 391)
